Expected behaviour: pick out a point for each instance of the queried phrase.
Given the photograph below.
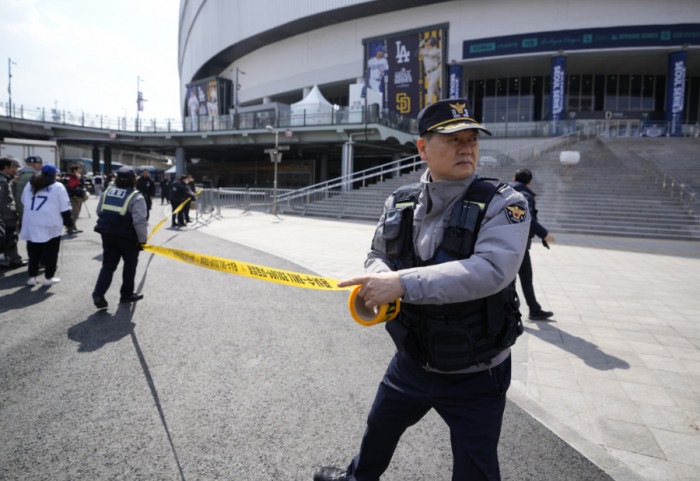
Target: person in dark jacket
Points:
(77, 193)
(179, 192)
(521, 183)
(164, 189)
(147, 187)
(122, 222)
(8, 213)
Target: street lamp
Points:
(276, 158)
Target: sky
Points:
(88, 55)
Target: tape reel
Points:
(370, 317)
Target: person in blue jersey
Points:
(122, 220)
(47, 210)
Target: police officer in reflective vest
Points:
(450, 249)
(122, 222)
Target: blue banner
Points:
(557, 94)
(455, 82)
(675, 93)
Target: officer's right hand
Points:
(377, 288)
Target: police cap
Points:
(447, 116)
(126, 173)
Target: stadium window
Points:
(648, 93)
(574, 93)
(611, 93)
(623, 102)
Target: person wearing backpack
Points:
(449, 249)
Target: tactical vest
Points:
(114, 216)
(449, 337)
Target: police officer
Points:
(450, 249)
(147, 187)
(179, 192)
(122, 222)
(521, 183)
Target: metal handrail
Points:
(667, 180)
(377, 172)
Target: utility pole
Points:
(10, 63)
(235, 97)
(139, 100)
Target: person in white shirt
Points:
(432, 64)
(46, 210)
(378, 67)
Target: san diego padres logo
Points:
(403, 103)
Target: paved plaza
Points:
(218, 376)
(616, 373)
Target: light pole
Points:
(9, 83)
(139, 101)
(276, 158)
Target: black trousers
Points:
(525, 275)
(472, 405)
(115, 248)
(179, 218)
(46, 252)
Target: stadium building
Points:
(322, 72)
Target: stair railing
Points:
(300, 199)
(686, 196)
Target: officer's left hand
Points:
(377, 288)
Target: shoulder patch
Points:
(516, 213)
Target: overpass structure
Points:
(222, 146)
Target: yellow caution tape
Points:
(361, 314)
(369, 317)
(248, 270)
(177, 209)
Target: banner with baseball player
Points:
(407, 68)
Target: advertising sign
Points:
(455, 82)
(407, 68)
(557, 94)
(675, 92)
(584, 39)
(206, 99)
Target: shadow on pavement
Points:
(587, 351)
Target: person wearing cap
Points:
(449, 249)
(32, 167)
(46, 211)
(8, 213)
(123, 224)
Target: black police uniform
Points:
(536, 229)
(122, 224)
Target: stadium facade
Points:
(532, 68)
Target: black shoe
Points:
(540, 315)
(330, 474)
(131, 298)
(100, 302)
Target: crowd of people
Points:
(39, 205)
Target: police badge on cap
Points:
(447, 116)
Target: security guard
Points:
(122, 221)
(450, 249)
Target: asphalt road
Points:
(211, 376)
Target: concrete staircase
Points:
(607, 193)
